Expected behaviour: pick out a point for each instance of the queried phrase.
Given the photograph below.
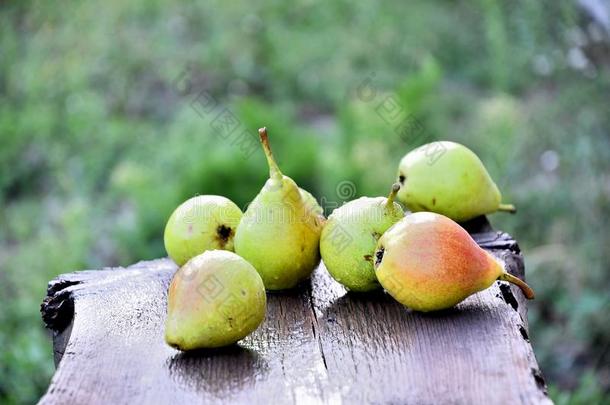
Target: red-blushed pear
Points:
(214, 300)
(428, 262)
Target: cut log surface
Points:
(318, 344)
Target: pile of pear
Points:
(229, 258)
(424, 259)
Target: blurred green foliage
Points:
(99, 140)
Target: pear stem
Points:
(274, 170)
(507, 208)
(527, 291)
(390, 202)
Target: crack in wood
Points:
(524, 333)
(315, 326)
(539, 378)
(508, 296)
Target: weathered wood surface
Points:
(318, 344)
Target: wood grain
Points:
(318, 344)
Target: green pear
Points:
(280, 231)
(350, 236)
(201, 223)
(448, 178)
(428, 262)
(214, 300)
(310, 201)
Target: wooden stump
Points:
(318, 344)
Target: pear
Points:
(428, 262)
(350, 236)
(448, 178)
(214, 300)
(201, 223)
(312, 204)
(280, 231)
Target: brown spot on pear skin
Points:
(379, 256)
(433, 200)
(368, 258)
(401, 179)
(223, 234)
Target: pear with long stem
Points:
(428, 262)
(279, 233)
(350, 235)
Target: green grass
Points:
(98, 144)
